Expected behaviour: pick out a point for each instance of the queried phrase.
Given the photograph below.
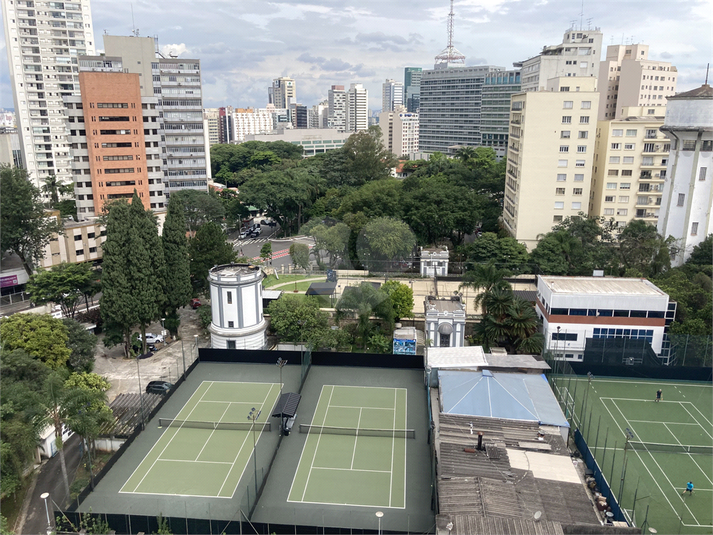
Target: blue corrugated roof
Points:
(512, 396)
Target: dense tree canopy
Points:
(63, 284)
(40, 335)
(207, 249)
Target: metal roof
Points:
(321, 288)
(600, 286)
(286, 406)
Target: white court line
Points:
(660, 383)
(691, 456)
(170, 440)
(351, 504)
(672, 423)
(694, 418)
(241, 402)
(211, 433)
(643, 400)
(319, 437)
(703, 415)
(352, 469)
(356, 439)
(406, 441)
(241, 449)
(393, 447)
(304, 447)
(660, 469)
(351, 407)
(198, 462)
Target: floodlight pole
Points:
(253, 415)
(379, 514)
(141, 398)
(195, 337)
(44, 496)
(183, 355)
(280, 364)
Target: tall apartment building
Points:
(450, 106)
(630, 159)
(318, 115)
(282, 93)
(225, 119)
(627, 77)
(337, 101)
(43, 42)
(10, 149)
(247, 121)
(399, 130)
(688, 190)
(299, 116)
(550, 156)
(578, 55)
(497, 90)
(357, 116)
(177, 84)
(412, 88)
(114, 138)
(392, 95)
(211, 125)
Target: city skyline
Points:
(243, 47)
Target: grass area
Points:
(271, 280)
(12, 505)
(81, 478)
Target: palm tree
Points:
(522, 319)
(55, 189)
(362, 302)
(466, 154)
(484, 278)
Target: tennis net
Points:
(225, 426)
(670, 448)
(361, 432)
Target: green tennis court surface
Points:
(341, 466)
(671, 443)
(187, 461)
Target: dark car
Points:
(158, 387)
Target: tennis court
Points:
(204, 450)
(355, 451)
(670, 442)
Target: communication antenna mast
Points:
(581, 17)
(450, 55)
(134, 29)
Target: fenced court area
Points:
(648, 450)
(204, 451)
(355, 453)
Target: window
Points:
(626, 172)
(579, 163)
(614, 159)
(230, 344)
(628, 146)
(647, 160)
(689, 145)
(79, 252)
(642, 200)
(229, 296)
(568, 104)
(616, 146)
(559, 206)
(649, 147)
(561, 177)
(583, 134)
(564, 148)
(611, 185)
(231, 324)
(577, 191)
(702, 173)
(566, 119)
(586, 104)
(576, 206)
(559, 191)
(557, 219)
(631, 132)
(613, 172)
(681, 199)
(565, 134)
(609, 211)
(562, 163)
(651, 133)
(579, 178)
(617, 133)
(624, 198)
(622, 211)
(569, 337)
(77, 237)
(609, 198)
(628, 159)
(625, 185)
(581, 149)
(584, 119)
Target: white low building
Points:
(445, 322)
(236, 306)
(434, 262)
(574, 309)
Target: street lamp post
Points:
(253, 415)
(379, 514)
(141, 398)
(183, 355)
(195, 338)
(281, 364)
(163, 330)
(44, 496)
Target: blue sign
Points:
(404, 347)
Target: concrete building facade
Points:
(445, 321)
(282, 93)
(10, 148)
(211, 125)
(412, 88)
(318, 115)
(498, 88)
(313, 140)
(42, 50)
(337, 102)
(630, 159)
(687, 199)
(357, 112)
(550, 156)
(577, 55)
(399, 130)
(392, 95)
(627, 78)
(248, 121)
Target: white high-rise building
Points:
(688, 191)
(399, 131)
(318, 115)
(392, 95)
(247, 121)
(337, 102)
(282, 93)
(43, 42)
(627, 78)
(577, 55)
(357, 108)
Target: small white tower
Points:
(236, 305)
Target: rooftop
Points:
(452, 304)
(705, 91)
(601, 286)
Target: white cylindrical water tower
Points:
(236, 306)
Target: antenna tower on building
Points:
(449, 55)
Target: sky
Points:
(244, 44)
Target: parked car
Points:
(158, 387)
(152, 338)
(195, 303)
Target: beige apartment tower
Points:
(627, 78)
(630, 159)
(550, 156)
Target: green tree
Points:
(333, 239)
(266, 251)
(175, 255)
(702, 253)
(643, 251)
(264, 158)
(62, 284)
(298, 319)
(506, 253)
(484, 279)
(363, 302)
(40, 335)
(299, 253)
(207, 249)
(55, 189)
(25, 229)
(199, 207)
(401, 298)
(380, 198)
(365, 158)
(383, 241)
(82, 344)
